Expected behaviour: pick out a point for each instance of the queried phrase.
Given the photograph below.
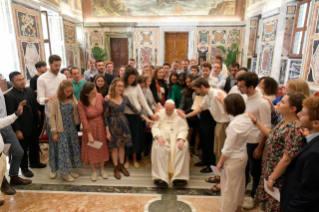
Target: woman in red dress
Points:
(90, 108)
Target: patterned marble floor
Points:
(135, 193)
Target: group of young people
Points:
(240, 126)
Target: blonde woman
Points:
(63, 120)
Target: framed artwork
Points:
(265, 59)
(27, 25)
(291, 10)
(294, 69)
(31, 55)
(282, 73)
(313, 75)
(254, 65)
(69, 34)
(249, 64)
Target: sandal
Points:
(212, 180)
(215, 188)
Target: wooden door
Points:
(176, 47)
(119, 53)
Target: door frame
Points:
(176, 29)
(109, 35)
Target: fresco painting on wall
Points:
(233, 36)
(78, 4)
(96, 38)
(69, 34)
(265, 59)
(162, 7)
(146, 37)
(291, 10)
(146, 55)
(313, 75)
(219, 37)
(287, 36)
(251, 42)
(282, 74)
(269, 31)
(31, 55)
(70, 55)
(27, 25)
(203, 37)
(294, 69)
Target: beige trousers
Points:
(233, 187)
(160, 162)
(3, 168)
(219, 139)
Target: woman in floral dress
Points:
(117, 127)
(283, 144)
(91, 114)
(64, 118)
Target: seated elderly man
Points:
(170, 155)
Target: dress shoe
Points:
(200, 163)
(104, 174)
(52, 175)
(68, 178)
(206, 170)
(160, 183)
(7, 189)
(16, 180)
(179, 182)
(75, 175)
(27, 173)
(123, 170)
(1, 202)
(38, 165)
(117, 173)
(94, 176)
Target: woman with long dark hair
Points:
(101, 85)
(158, 86)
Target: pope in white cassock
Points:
(170, 154)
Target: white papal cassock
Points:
(168, 161)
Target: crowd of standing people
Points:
(241, 126)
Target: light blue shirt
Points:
(88, 73)
(3, 109)
(312, 136)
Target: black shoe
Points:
(201, 163)
(179, 182)
(206, 170)
(7, 189)
(160, 183)
(27, 173)
(146, 152)
(38, 165)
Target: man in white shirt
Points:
(216, 109)
(48, 85)
(217, 73)
(260, 108)
(224, 71)
(206, 71)
(89, 74)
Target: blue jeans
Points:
(9, 137)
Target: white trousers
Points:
(3, 169)
(161, 159)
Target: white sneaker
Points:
(249, 204)
(136, 165)
(43, 147)
(52, 175)
(68, 178)
(75, 175)
(104, 174)
(94, 176)
(127, 164)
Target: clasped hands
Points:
(180, 145)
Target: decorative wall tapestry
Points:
(69, 34)
(27, 25)
(146, 55)
(265, 59)
(203, 37)
(146, 37)
(282, 74)
(31, 55)
(313, 75)
(287, 36)
(219, 37)
(233, 36)
(70, 55)
(294, 69)
(96, 38)
(269, 31)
